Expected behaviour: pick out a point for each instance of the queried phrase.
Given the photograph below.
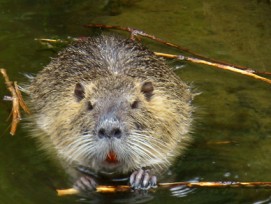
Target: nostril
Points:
(101, 133)
(116, 132)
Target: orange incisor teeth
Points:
(111, 157)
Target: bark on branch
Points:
(17, 101)
(218, 184)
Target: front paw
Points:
(85, 184)
(142, 180)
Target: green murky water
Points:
(231, 108)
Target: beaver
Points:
(109, 105)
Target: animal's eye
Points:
(147, 90)
(79, 91)
(135, 104)
(89, 106)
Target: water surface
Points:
(232, 134)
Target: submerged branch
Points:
(218, 184)
(99, 189)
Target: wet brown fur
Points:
(112, 70)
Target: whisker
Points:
(149, 147)
(76, 149)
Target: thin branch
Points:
(17, 101)
(99, 189)
(16, 117)
(65, 192)
(213, 64)
(20, 99)
(218, 184)
(134, 32)
(234, 68)
(50, 40)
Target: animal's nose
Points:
(109, 132)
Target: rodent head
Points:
(117, 125)
(110, 103)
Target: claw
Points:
(142, 180)
(146, 180)
(85, 183)
(132, 178)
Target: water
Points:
(232, 134)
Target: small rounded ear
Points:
(147, 89)
(79, 91)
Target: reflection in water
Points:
(182, 191)
(267, 201)
(133, 197)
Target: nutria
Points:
(109, 105)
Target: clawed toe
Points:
(142, 179)
(85, 183)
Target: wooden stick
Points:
(134, 32)
(69, 191)
(217, 184)
(99, 189)
(17, 102)
(47, 40)
(213, 64)
(217, 64)
(16, 116)
(20, 99)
